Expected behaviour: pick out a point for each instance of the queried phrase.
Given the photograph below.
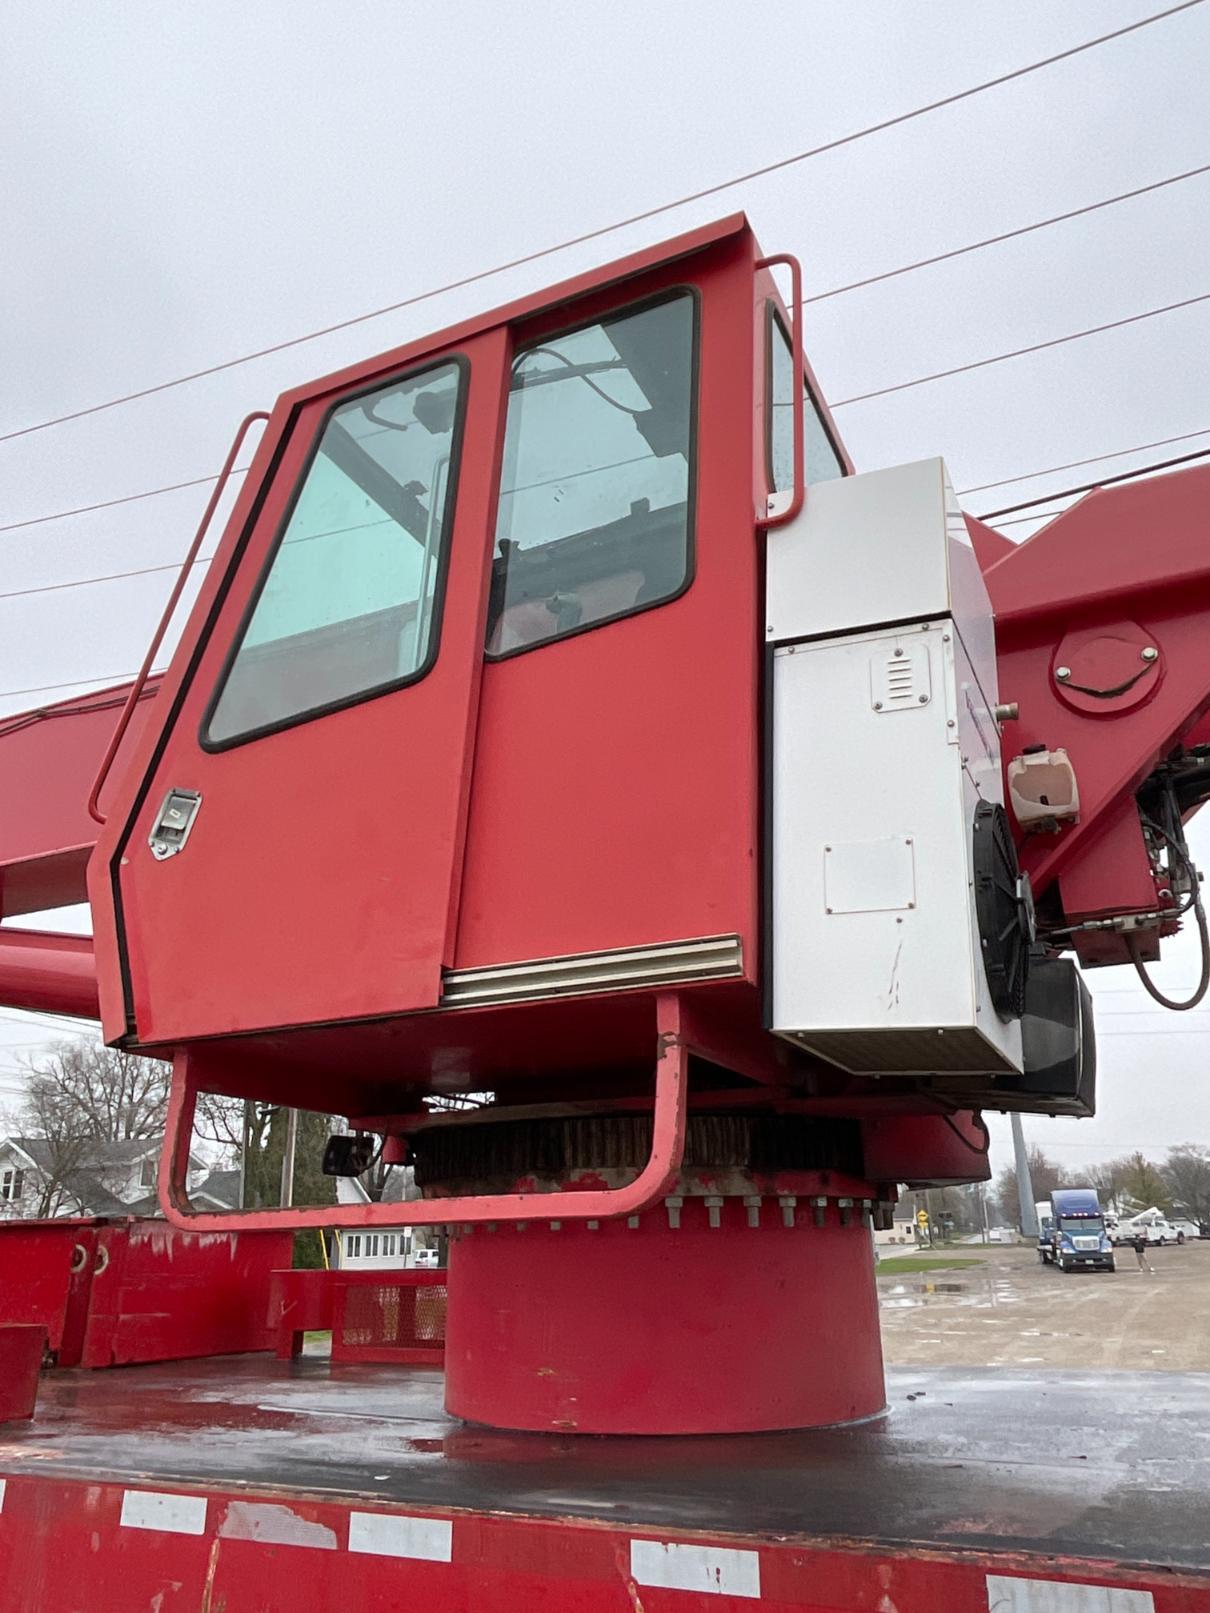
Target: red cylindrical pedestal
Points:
(663, 1329)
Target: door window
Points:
(823, 463)
(594, 519)
(350, 603)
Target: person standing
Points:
(1140, 1248)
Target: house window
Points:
(595, 513)
(12, 1184)
(147, 1172)
(819, 452)
(355, 1245)
(350, 604)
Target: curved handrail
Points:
(799, 492)
(157, 638)
(653, 1182)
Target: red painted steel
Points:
(48, 758)
(47, 973)
(1122, 570)
(22, 1345)
(797, 358)
(110, 1293)
(663, 1329)
(299, 1302)
(240, 1548)
(46, 1270)
(650, 1185)
(159, 1294)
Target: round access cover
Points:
(1002, 911)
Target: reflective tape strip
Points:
(382, 1534)
(157, 1509)
(709, 1570)
(1011, 1595)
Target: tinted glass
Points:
(350, 603)
(822, 460)
(593, 520)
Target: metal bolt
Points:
(788, 1203)
(827, 909)
(1150, 653)
(674, 1205)
(632, 1222)
(898, 652)
(924, 700)
(593, 1226)
(714, 1206)
(945, 638)
(1062, 673)
(878, 705)
(911, 904)
(950, 723)
(752, 1205)
(556, 1226)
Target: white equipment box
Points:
(884, 742)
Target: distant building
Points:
(39, 1177)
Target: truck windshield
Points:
(1086, 1224)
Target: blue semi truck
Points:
(1074, 1233)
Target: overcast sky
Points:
(181, 184)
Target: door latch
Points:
(173, 822)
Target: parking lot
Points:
(1010, 1310)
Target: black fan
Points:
(1003, 911)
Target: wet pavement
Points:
(1010, 1310)
(1086, 1464)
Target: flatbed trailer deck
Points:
(251, 1484)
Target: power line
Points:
(1074, 464)
(620, 224)
(1008, 235)
(109, 503)
(1104, 481)
(74, 683)
(108, 576)
(1020, 352)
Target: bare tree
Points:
(1187, 1173)
(1045, 1174)
(99, 1092)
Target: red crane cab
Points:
(477, 770)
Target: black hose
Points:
(1203, 984)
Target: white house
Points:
(39, 1177)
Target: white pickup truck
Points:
(1155, 1227)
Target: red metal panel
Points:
(64, 1546)
(21, 1348)
(160, 1294)
(299, 1302)
(45, 1277)
(1136, 552)
(318, 877)
(614, 800)
(46, 759)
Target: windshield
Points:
(1088, 1225)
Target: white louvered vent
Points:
(899, 679)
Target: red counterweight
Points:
(462, 783)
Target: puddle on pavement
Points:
(979, 1291)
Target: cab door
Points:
(292, 854)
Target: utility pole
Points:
(287, 1164)
(1025, 1186)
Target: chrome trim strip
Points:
(715, 957)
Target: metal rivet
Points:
(878, 705)
(898, 652)
(950, 723)
(924, 700)
(1062, 673)
(1150, 653)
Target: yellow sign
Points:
(922, 1218)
